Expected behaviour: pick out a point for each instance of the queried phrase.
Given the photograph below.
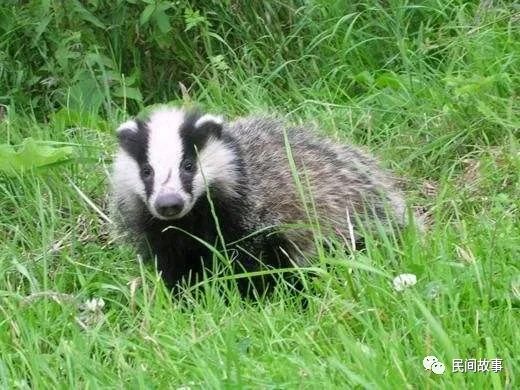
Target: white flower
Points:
(433, 290)
(403, 281)
(91, 313)
(94, 305)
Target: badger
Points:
(186, 184)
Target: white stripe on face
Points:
(165, 151)
(126, 179)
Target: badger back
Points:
(337, 185)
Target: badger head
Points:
(170, 159)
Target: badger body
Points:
(257, 187)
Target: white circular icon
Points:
(428, 362)
(431, 363)
(438, 368)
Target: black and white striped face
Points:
(170, 159)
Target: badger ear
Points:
(209, 125)
(126, 131)
(128, 125)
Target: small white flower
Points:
(91, 313)
(403, 281)
(433, 290)
(365, 349)
(94, 305)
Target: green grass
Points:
(430, 87)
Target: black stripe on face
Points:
(135, 143)
(194, 139)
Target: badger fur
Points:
(182, 180)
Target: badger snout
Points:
(169, 204)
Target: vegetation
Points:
(429, 86)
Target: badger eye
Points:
(147, 171)
(187, 166)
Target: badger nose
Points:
(169, 204)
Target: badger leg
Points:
(266, 254)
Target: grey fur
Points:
(342, 190)
(344, 185)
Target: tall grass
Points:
(431, 87)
